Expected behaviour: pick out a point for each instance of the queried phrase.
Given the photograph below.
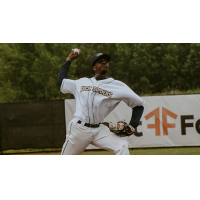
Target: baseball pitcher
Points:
(95, 98)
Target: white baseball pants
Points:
(79, 137)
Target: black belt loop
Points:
(89, 125)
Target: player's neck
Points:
(100, 77)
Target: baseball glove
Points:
(122, 129)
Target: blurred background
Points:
(29, 71)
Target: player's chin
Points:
(104, 69)
(103, 72)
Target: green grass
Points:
(167, 151)
(146, 151)
(20, 151)
(154, 151)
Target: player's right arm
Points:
(66, 85)
(63, 74)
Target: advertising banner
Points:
(166, 121)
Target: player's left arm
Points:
(136, 103)
(136, 116)
(135, 120)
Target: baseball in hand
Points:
(76, 50)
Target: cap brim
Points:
(106, 56)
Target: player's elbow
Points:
(59, 82)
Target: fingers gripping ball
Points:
(75, 53)
(75, 50)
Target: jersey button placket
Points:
(91, 94)
(94, 93)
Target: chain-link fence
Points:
(34, 124)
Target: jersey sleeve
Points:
(68, 86)
(131, 98)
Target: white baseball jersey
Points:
(96, 99)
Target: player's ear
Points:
(94, 68)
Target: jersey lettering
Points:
(96, 89)
(86, 88)
(103, 92)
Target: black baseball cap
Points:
(99, 55)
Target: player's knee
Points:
(125, 145)
(122, 148)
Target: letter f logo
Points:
(157, 120)
(165, 125)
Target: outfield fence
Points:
(33, 124)
(167, 121)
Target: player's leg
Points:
(77, 139)
(74, 149)
(111, 142)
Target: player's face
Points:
(101, 66)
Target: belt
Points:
(89, 125)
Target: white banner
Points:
(166, 121)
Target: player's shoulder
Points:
(84, 79)
(120, 83)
